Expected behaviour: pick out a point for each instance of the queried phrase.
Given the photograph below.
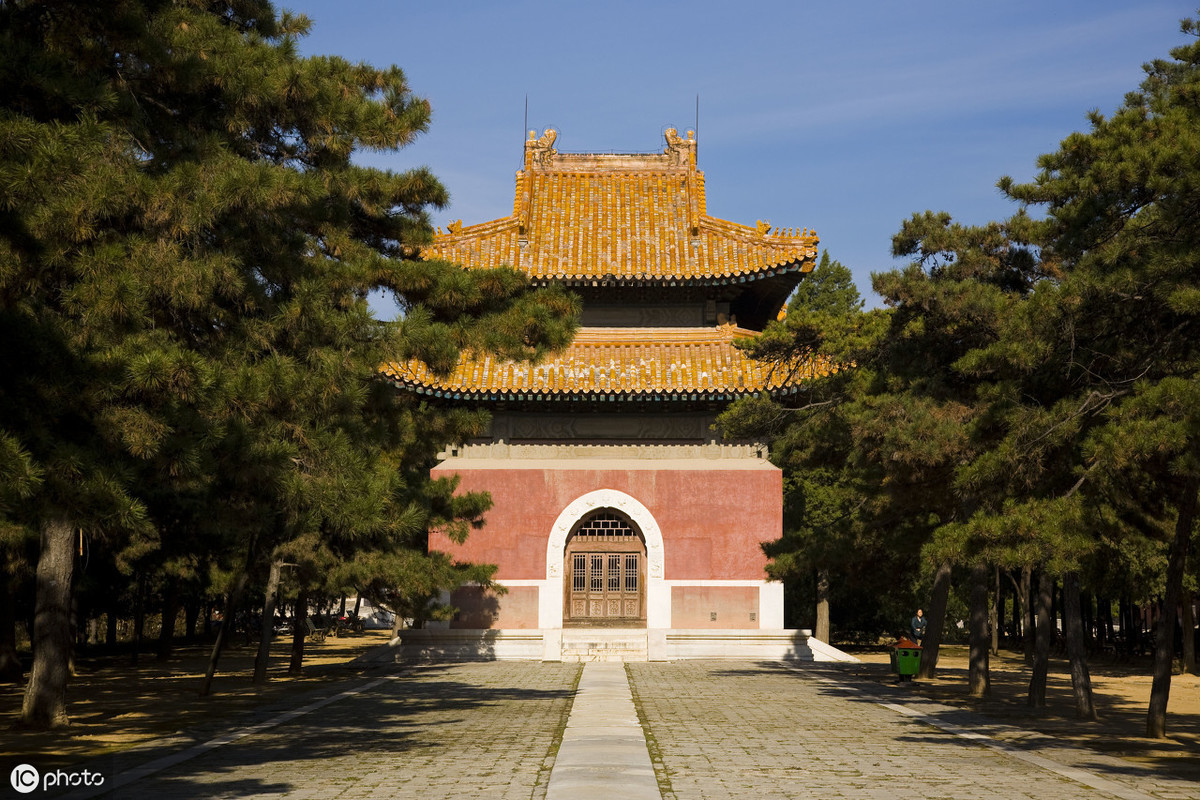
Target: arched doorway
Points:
(604, 572)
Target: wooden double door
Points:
(605, 574)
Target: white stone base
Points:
(743, 645)
(598, 644)
(433, 644)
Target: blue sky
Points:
(844, 117)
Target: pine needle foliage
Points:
(186, 249)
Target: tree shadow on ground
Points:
(420, 716)
(1005, 714)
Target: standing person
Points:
(918, 627)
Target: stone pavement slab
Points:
(730, 730)
(603, 753)
(708, 731)
(484, 730)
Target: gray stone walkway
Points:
(712, 730)
(456, 731)
(728, 730)
(603, 753)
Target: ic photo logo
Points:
(24, 778)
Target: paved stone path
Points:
(457, 731)
(603, 753)
(737, 730)
(715, 730)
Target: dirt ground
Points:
(1121, 689)
(115, 706)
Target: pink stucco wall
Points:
(694, 606)
(713, 520)
(516, 608)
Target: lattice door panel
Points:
(605, 585)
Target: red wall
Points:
(480, 609)
(693, 606)
(712, 520)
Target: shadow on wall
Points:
(477, 608)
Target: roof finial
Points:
(539, 151)
(682, 151)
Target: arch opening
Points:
(604, 572)
(554, 595)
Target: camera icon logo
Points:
(24, 778)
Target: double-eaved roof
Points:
(624, 220)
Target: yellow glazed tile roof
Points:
(639, 217)
(632, 362)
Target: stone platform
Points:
(606, 644)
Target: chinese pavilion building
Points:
(621, 526)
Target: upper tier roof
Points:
(633, 363)
(637, 218)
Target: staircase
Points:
(604, 644)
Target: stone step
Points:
(602, 658)
(604, 645)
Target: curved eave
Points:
(794, 268)
(720, 253)
(681, 396)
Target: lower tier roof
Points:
(621, 363)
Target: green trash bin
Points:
(906, 658)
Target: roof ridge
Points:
(639, 217)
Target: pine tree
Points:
(827, 538)
(186, 248)
(1119, 332)
(1092, 377)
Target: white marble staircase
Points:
(604, 644)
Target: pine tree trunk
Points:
(938, 602)
(110, 626)
(1164, 649)
(299, 630)
(1042, 638)
(1081, 679)
(1189, 632)
(1028, 601)
(170, 610)
(1017, 601)
(1087, 610)
(1126, 616)
(997, 614)
(232, 602)
(77, 630)
(1110, 634)
(268, 622)
(1055, 608)
(139, 619)
(191, 615)
(45, 704)
(822, 631)
(978, 677)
